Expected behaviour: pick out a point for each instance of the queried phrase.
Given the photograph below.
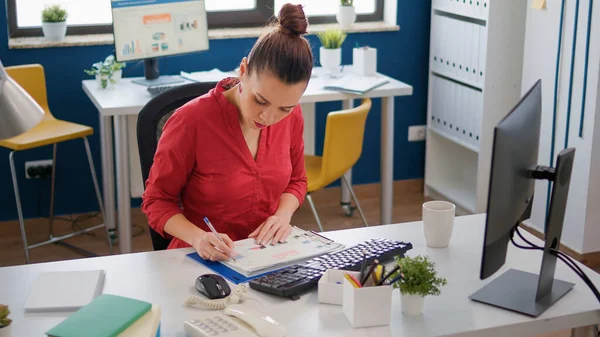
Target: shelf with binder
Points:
(455, 111)
(458, 49)
(474, 80)
(477, 9)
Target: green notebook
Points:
(105, 316)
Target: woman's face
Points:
(266, 100)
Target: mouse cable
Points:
(239, 294)
(563, 257)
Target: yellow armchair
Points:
(344, 135)
(49, 131)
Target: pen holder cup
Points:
(331, 285)
(367, 306)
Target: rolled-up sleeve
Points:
(173, 163)
(298, 184)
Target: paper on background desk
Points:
(214, 75)
(354, 84)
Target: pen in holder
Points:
(367, 305)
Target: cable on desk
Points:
(562, 256)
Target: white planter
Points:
(54, 31)
(346, 16)
(117, 75)
(364, 61)
(6, 331)
(331, 59)
(100, 78)
(412, 304)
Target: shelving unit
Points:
(475, 70)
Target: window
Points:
(94, 16)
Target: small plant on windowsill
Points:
(346, 14)
(54, 22)
(419, 279)
(5, 322)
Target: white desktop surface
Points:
(167, 278)
(117, 104)
(127, 98)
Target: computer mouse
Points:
(212, 286)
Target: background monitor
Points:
(150, 29)
(513, 173)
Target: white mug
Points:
(438, 223)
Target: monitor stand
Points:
(527, 293)
(152, 75)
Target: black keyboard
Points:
(294, 280)
(159, 89)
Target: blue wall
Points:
(402, 55)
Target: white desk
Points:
(126, 99)
(167, 278)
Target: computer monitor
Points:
(150, 29)
(514, 169)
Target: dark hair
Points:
(284, 51)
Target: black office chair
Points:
(150, 123)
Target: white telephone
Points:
(247, 323)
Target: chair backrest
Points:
(344, 134)
(150, 123)
(32, 79)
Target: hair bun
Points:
(292, 19)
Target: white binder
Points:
(64, 290)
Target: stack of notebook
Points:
(111, 316)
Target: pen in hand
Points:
(217, 234)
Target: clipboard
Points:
(225, 271)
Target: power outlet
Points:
(38, 169)
(416, 133)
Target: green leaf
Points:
(420, 277)
(332, 38)
(54, 13)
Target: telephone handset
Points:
(245, 324)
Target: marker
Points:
(388, 275)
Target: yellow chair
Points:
(50, 131)
(344, 134)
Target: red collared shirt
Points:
(203, 161)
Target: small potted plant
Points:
(419, 279)
(5, 326)
(330, 53)
(117, 67)
(54, 22)
(106, 72)
(346, 14)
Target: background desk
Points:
(122, 104)
(167, 278)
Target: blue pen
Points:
(215, 231)
(397, 278)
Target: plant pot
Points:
(103, 81)
(330, 59)
(6, 331)
(346, 16)
(117, 75)
(54, 31)
(412, 304)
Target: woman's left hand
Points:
(275, 229)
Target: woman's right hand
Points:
(209, 247)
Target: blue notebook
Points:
(223, 270)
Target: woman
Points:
(236, 154)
